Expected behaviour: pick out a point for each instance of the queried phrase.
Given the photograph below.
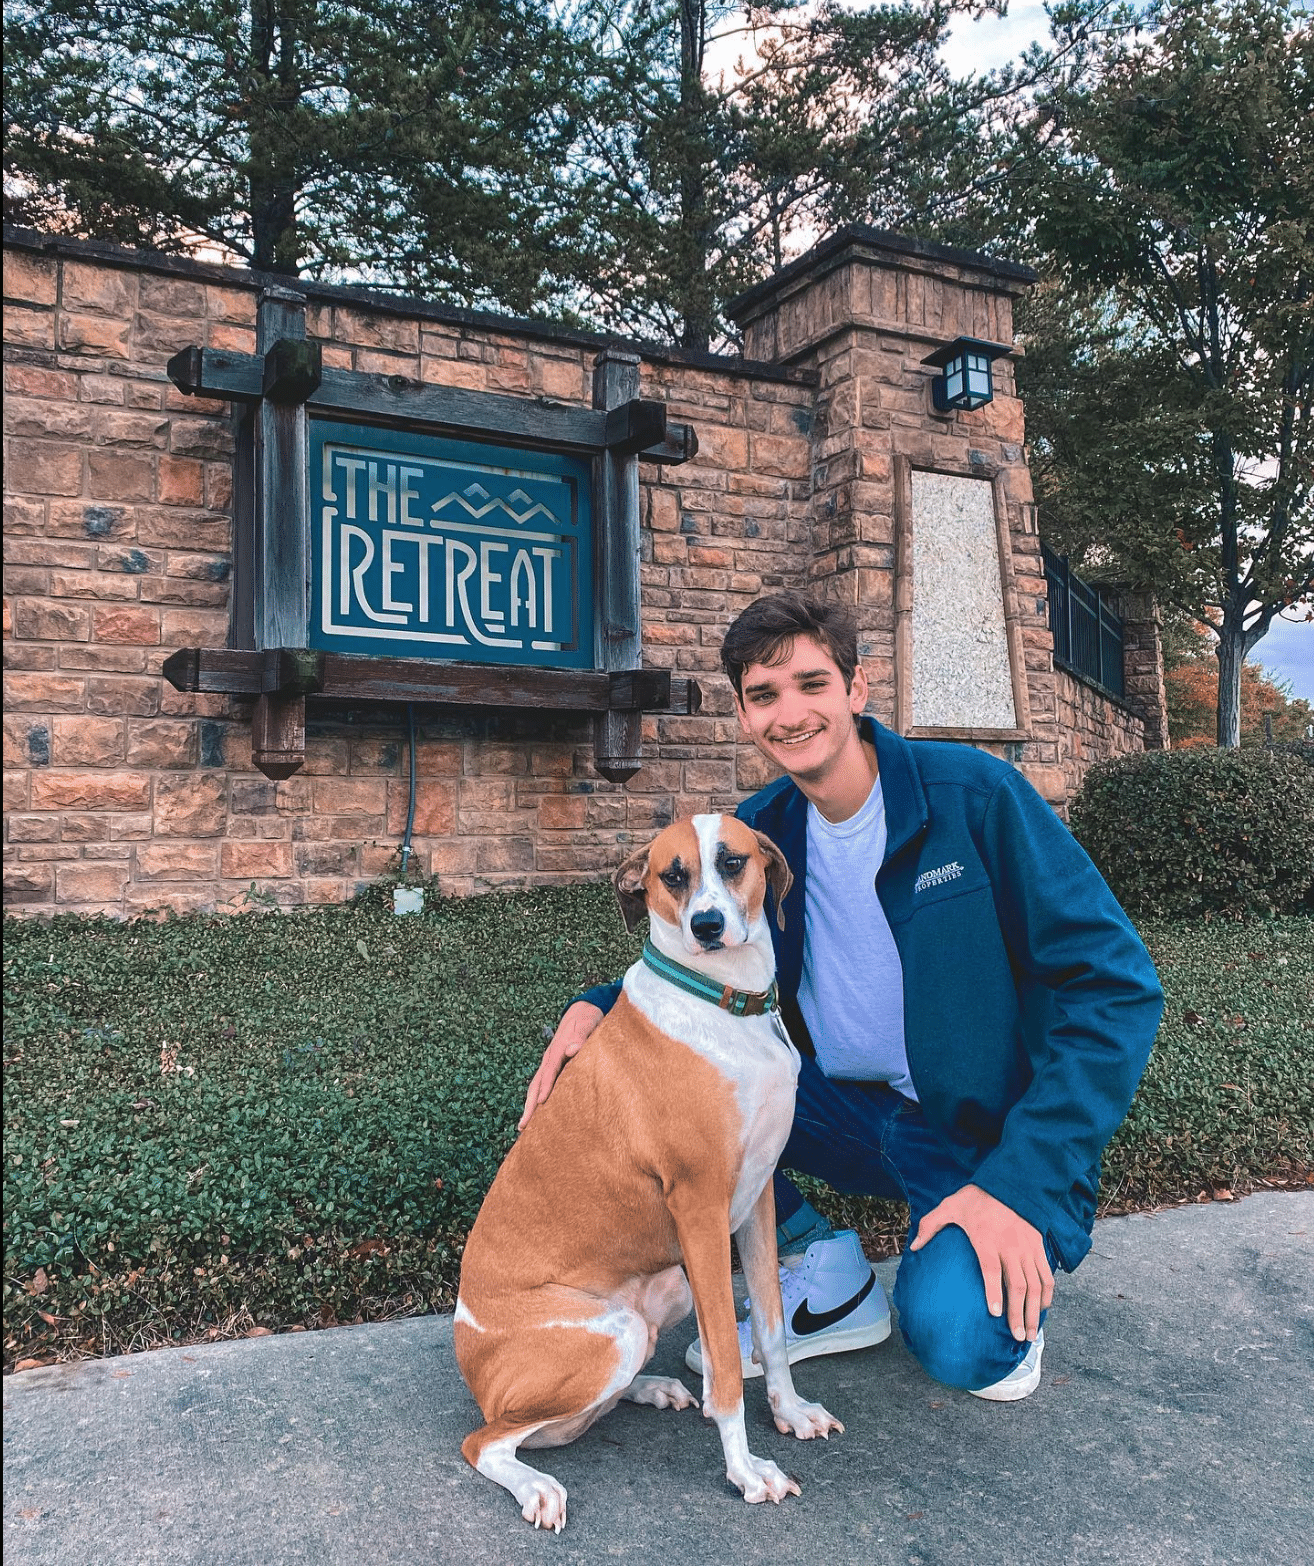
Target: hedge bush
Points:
(1179, 834)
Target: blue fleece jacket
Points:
(1030, 1003)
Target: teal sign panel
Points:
(432, 548)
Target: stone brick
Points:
(107, 290)
(98, 336)
(228, 303)
(325, 859)
(172, 295)
(29, 883)
(156, 899)
(103, 388)
(32, 829)
(219, 486)
(90, 584)
(23, 515)
(442, 758)
(26, 655)
(53, 790)
(144, 430)
(36, 381)
(230, 339)
(88, 742)
(113, 475)
(40, 620)
(435, 808)
(562, 378)
(85, 827)
(191, 805)
(505, 853)
(181, 482)
(394, 333)
(177, 861)
(130, 828)
(163, 742)
(200, 595)
(193, 628)
(250, 861)
(556, 812)
(26, 741)
(27, 328)
(33, 279)
(138, 394)
(103, 657)
(42, 467)
(200, 438)
(84, 520)
(337, 795)
(26, 692)
(456, 856)
(134, 624)
(709, 777)
(44, 419)
(175, 528)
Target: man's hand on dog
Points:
(578, 1022)
(1010, 1250)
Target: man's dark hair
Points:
(766, 630)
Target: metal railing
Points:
(1087, 633)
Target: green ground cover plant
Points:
(225, 1125)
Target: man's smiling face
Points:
(797, 711)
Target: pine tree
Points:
(408, 142)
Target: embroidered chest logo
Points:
(929, 878)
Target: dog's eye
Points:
(675, 879)
(732, 864)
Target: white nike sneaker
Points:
(833, 1302)
(1021, 1381)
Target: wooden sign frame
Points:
(274, 393)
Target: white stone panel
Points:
(960, 670)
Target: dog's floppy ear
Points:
(630, 893)
(779, 876)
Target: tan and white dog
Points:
(655, 1146)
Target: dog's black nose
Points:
(708, 926)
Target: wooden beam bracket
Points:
(634, 426)
(287, 673)
(293, 370)
(242, 377)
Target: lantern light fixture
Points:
(966, 380)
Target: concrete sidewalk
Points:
(1174, 1424)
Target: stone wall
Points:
(124, 796)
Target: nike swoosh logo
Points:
(805, 1321)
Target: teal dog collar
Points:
(739, 1003)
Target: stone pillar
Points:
(864, 309)
(1142, 664)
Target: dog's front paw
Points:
(805, 1420)
(543, 1502)
(761, 1480)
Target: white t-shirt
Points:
(851, 991)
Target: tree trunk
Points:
(274, 176)
(1231, 653)
(695, 238)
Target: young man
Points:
(973, 1008)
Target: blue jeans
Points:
(865, 1139)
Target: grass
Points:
(218, 1125)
